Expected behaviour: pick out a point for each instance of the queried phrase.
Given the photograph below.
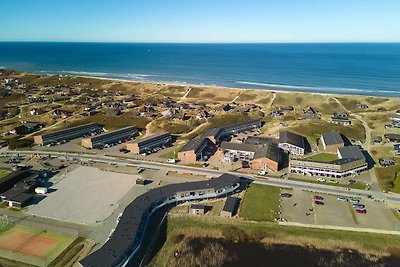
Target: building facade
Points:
(293, 143)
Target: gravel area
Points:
(85, 195)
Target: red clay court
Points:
(31, 244)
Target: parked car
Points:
(358, 206)
(342, 199)
(318, 198)
(262, 173)
(286, 195)
(354, 201)
(245, 165)
(351, 181)
(322, 180)
(171, 160)
(317, 202)
(333, 181)
(358, 211)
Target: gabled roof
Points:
(231, 204)
(351, 152)
(194, 144)
(292, 139)
(332, 138)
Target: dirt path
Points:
(194, 130)
(185, 95)
(233, 100)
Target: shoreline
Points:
(220, 87)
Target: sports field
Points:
(32, 245)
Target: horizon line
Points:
(166, 42)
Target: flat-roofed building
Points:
(230, 207)
(198, 209)
(293, 143)
(99, 141)
(147, 144)
(332, 141)
(194, 150)
(67, 134)
(351, 162)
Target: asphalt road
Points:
(322, 188)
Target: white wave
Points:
(308, 88)
(130, 76)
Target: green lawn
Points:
(324, 157)
(174, 153)
(260, 203)
(389, 177)
(4, 173)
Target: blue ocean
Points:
(340, 68)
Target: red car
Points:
(361, 211)
(318, 198)
(245, 165)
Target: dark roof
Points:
(151, 138)
(22, 198)
(351, 152)
(10, 180)
(231, 204)
(228, 128)
(212, 132)
(332, 138)
(194, 144)
(13, 192)
(72, 129)
(238, 146)
(292, 138)
(198, 206)
(271, 151)
(127, 233)
(109, 134)
(256, 140)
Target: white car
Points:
(171, 160)
(342, 199)
(322, 180)
(262, 172)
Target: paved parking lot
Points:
(84, 195)
(302, 209)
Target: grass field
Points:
(32, 245)
(174, 153)
(4, 173)
(324, 157)
(260, 203)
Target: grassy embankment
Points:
(181, 230)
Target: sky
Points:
(200, 20)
